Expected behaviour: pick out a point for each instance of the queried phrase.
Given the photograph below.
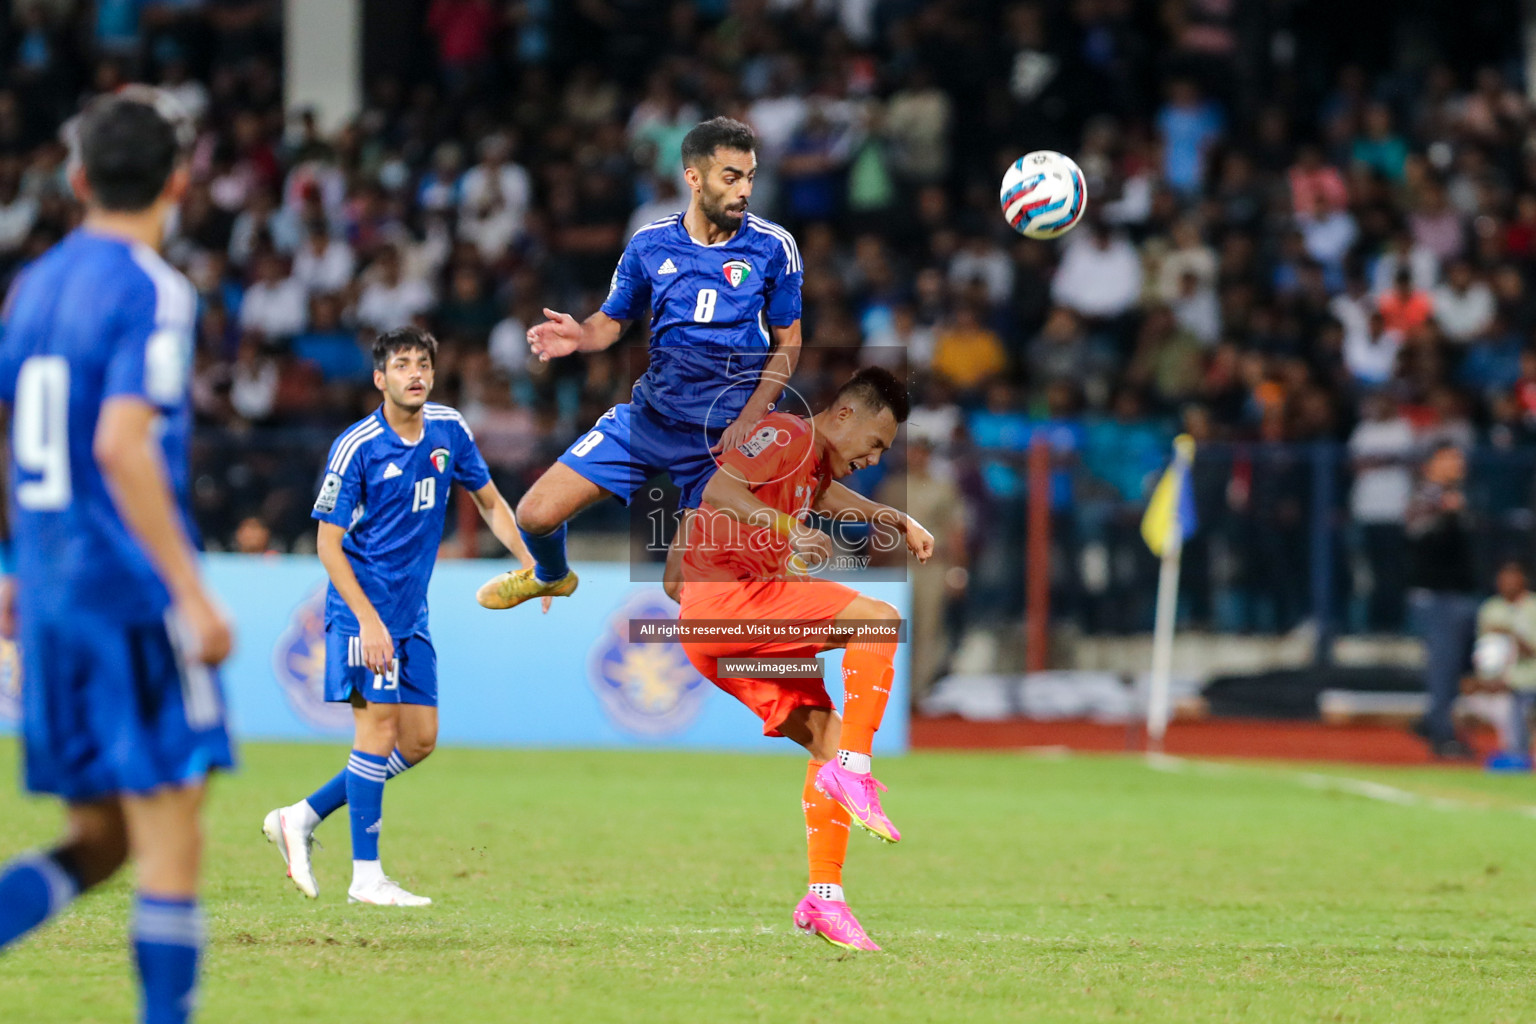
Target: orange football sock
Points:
(826, 831)
(868, 668)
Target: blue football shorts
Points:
(629, 444)
(411, 679)
(110, 708)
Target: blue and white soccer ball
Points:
(1043, 195)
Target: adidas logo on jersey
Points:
(391, 471)
(668, 267)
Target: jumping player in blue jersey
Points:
(122, 715)
(723, 289)
(381, 508)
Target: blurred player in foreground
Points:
(381, 509)
(740, 558)
(122, 715)
(723, 289)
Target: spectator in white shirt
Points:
(1329, 232)
(253, 382)
(191, 94)
(1403, 251)
(1464, 305)
(262, 215)
(1382, 451)
(668, 200)
(323, 264)
(276, 305)
(1371, 358)
(390, 299)
(1196, 309)
(982, 259)
(1352, 309)
(901, 341)
(1189, 255)
(1100, 274)
(493, 198)
(508, 345)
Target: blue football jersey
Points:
(94, 318)
(711, 307)
(391, 498)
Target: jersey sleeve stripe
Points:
(443, 412)
(344, 454)
(795, 266)
(653, 225)
(174, 302)
(791, 250)
(348, 437)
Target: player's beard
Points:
(714, 208)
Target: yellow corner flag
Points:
(1170, 517)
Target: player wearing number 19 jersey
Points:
(381, 508)
(723, 289)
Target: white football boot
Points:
(384, 892)
(293, 840)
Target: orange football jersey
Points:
(782, 464)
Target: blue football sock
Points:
(332, 796)
(167, 941)
(396, 764)
(548, 554)
(329, 798)
(365, 794)
(33, 888)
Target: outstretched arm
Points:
(842, 502)
(561, 335)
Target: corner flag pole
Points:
(1162, 641)
(1169, 519)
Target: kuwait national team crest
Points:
(298, 661)
(645, 689)
(736, 271)
(440, 458)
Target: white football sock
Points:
(856, 763)
(308, 819)
(366, 873)
(828, 891)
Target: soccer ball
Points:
(1493, 655)
(1043, 195)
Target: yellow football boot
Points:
(511, 589)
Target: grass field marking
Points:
(1322, 782)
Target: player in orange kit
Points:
(746, 557)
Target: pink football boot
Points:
(860, 797)
(833, 921)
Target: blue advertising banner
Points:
(515, 678)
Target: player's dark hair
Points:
(402, 339)
(878, 388)
(128, 148)
(717, 133)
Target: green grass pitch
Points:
(590, 887)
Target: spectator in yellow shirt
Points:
(968, 353)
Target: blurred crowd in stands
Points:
(1298, 232)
